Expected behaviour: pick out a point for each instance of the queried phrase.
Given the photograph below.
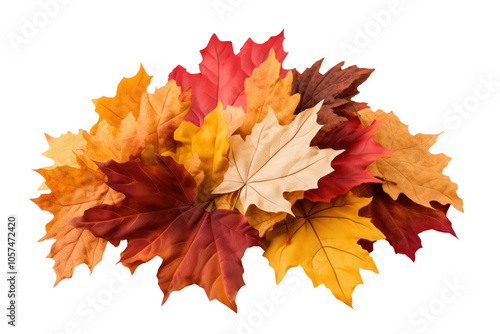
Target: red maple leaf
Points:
(349, 166)
(158, 218)
(223, 73)
(401, 221)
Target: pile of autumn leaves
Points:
(244, 153)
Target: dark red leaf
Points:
(158, 218)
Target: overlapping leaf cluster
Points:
(243, 153)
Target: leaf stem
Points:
(237, 198)
(356, 112)
(210, 205)
(385, 180)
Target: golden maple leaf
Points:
(323, 239)
(160, 115)
(209, 143)
(127, 100)
(411, 169)
(265, 89)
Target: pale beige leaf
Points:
(275, 159)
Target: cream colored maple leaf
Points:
(275, 159)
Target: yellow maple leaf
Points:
(323, 239)
(62, 148)
(108, 142)
(411, 169)
(127, 100)
(266, 89)
(210, 143)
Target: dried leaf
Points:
(161, 113)
(350, 167)
(266, 164)
(61, 149)
(411, 170)
(222, 74)
(323, 239)
(265, 89)
(401, 221)
(334, 87)
(73, 190)
(158, 218)
(210, 143)
(127, 100)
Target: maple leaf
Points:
(210, 143)
(127, 100)
(222, 74)
(350, 167)
(110, 142)
(335, 87)
(73, 190)
(158, 218)
(401, 221)
(160, 115)
(411, 169)
(265, 89)
(322, 238)
(275, 159)
(62, 148)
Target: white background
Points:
(431, 58)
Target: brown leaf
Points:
(334, 87)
